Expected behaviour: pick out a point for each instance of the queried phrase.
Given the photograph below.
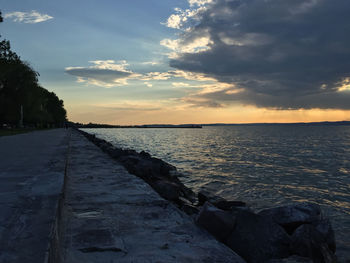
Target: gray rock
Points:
(168, 190)
(292, 216)
(229, 205)
(190, 209)
(324, 227)
(219, 202)
(204, 196)
(145, 154)
(217, 222)
(116, 153)
(308, 242)
(163, 168)
(145, 167)
(131, 164)
(257, 238)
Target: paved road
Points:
(31, 179)
(113, 216)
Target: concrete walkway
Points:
(110, 216)
(31, 178)
(106, 215)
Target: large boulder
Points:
(219, 202)
(217, 222)
(162, 168)
(206, 196)
(308, 242)
(189, 209)
(324, 227)
(257, 238)
(145, 167)
(116, 153)
(228, 205)
(292, 216)
(131, 163)
(168, 190)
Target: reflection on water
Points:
(262, 165)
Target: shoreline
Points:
(102, 212)
(206, 209)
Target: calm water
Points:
(262, 165)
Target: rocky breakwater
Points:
(161, 176)
(294, 233)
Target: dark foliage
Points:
(21, 92)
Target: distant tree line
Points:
(22, 100)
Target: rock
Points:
(190, 209)
(162, 167)
(116, 153)
(167, 190)
(291, 259)
(217, 222)
(104, 145)
(204, 196)
(145, 154)
(228, 205)
(130, 152)
(292, 216)
(324, 227)
(219, 202)
(308, 242)
(130, 162)
(157, 173)
(257, 238)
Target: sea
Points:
(262, 165)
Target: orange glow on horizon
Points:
(182, 115)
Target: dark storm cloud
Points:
(105, 75)
(284, 54)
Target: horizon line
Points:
(222, 123)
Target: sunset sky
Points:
(188, 61)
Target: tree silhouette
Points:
(20, 90)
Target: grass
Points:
(9, 132)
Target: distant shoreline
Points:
(323, 123)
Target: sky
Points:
(188, 61)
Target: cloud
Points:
(196, 45)
(201, 103)
(105, 73)
(180, 84)
(181, 17)
(190, 75)
(31, 17)
(275, 54)
(156, 76)
(199, 2)
(150, 85)
(175, 74)
(108, 73)
(130, 106)
(152, 63)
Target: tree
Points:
(19, 89)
